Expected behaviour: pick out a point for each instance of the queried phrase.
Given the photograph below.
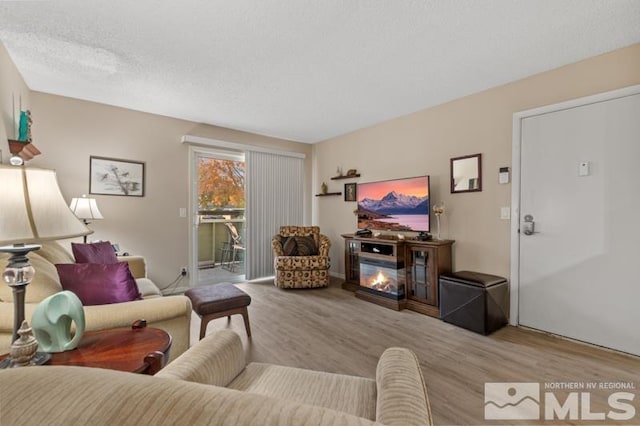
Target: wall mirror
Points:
(466, 173)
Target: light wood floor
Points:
(330, 330)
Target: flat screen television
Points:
(394, 205)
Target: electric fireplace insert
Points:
(382, 277)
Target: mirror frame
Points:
(478, 158)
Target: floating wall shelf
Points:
(345, 177)
(24, 149)
(328, 194)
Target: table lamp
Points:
(32, 210)
(85, 209)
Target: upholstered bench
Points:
(219, 300)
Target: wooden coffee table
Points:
(137, 350)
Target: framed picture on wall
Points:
(350, 191)
(112, 176)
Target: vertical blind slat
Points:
(274, 197)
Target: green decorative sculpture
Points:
(24, 127)
(51, 322)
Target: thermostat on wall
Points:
(503, 176)
(584, 168)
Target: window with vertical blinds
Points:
(274, 197)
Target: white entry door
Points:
(580, 187)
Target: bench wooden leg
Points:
(203, 326)
(245, 317)
(206, 318)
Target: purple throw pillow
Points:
(101, 252)
(99, 283)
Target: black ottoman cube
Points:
(475, 301)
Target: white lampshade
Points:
(85, 208)
(32, 208)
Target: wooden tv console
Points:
(424, 261)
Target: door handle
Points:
(528, 226)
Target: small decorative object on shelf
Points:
(351, 173)
(323, 188)
(438, 210)
(339, 171)
(22, 148)
(24, 128)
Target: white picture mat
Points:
(110, 176)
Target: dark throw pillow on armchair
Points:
(306, 246)
(289, 246)
(101, 252)
(99, 283)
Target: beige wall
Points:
(12, 88)
(68, 131)
(424, 142)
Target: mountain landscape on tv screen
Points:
(376, 214)
(394, 203)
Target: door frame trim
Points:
(515, 177)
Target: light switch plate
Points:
(183, 212)
(505, 213)
(503, 175)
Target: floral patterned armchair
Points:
(301, 257)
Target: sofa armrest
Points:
(215, 360)
(325, 245)
(276, 245)
(137, 265)
(402, 394)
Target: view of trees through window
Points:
(221, 184)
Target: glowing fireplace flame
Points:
(379, 280)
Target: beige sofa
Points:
(211, 384)
(170, 313)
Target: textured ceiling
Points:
(304, 70)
